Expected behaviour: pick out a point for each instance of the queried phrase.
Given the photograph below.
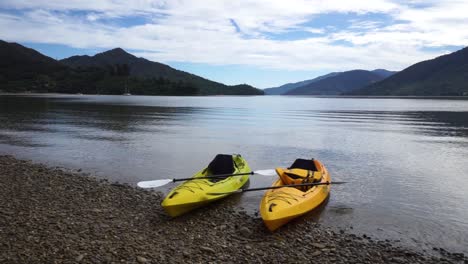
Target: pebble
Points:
(79, 258)
(207, 249)
(397, 260)
(318, 245)
(141, 259)
(245, 231)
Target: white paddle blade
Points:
(266, 172)
(153, 184)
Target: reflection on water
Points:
(404, 159)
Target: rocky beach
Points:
(52, 215)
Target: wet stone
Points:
(207, 249)
(245, 231)
(318, 245)
(141, 259)
(79, 258)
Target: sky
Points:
(264, 43)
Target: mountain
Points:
(143, 68)
(112, 72)
(384, 73)
(290, 86)
(16, 56)
(443, 76)
(338, 84)
(138, 66)
(21, 66)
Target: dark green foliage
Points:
(23, 69)
(148, 86)
(26, 70)
(146, 71)
(443, 76)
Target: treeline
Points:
(112, 79)
(112, 72)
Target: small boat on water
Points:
(281, 205)
(194, 193)
(127, 90)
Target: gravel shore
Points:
(50, 215)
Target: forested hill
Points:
(283, 89)
(333, 83)
(112, 72)
(21, 68)
(443, 76)
(338, 84)
(139, 67)
(144, 69)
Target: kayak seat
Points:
(304, 164)
(221, 164)
(301, 171)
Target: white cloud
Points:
(110, 7)
(314, 30)
(203, 32)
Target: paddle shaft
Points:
(214, 176)
(291, 185)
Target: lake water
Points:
(406, 160)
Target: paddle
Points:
(275, 187)
(162, 182)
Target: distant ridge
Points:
(290, 86)
(19, 62)
(340, 83)
(384, 73)
(113, 56)
(138, 66)
(143, 68)
(112, 72)
(446, 75)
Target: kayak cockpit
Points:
(195, 192)
(283, 204)
(302, 171)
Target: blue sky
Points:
(264, 43)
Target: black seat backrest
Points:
(221, 164)
(304, 164)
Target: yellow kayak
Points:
(193, 193)
(281, 205)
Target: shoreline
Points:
(429, 97)
(51, 215)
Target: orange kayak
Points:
(279, 206)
